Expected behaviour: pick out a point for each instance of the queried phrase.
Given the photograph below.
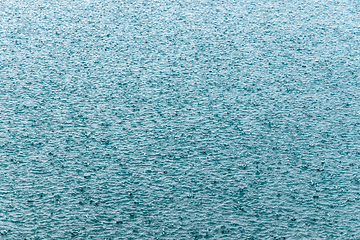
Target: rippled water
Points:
(179, 119)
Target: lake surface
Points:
(179, 119)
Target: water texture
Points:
(179, 119)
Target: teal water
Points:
(179, 119)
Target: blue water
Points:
(179, 119)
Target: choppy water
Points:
(179, 119)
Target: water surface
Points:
(179, 119)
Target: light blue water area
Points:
(179, 119)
